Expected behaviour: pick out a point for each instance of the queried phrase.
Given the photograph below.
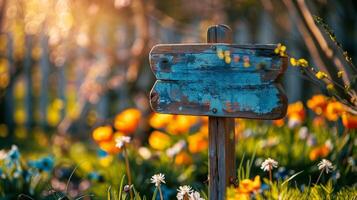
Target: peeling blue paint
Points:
(261, 100)
(226, 81)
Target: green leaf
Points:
(155, 194)
(108, 193)
(121, 187)
(293, 176)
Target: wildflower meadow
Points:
(82, 116)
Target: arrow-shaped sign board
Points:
(219, 79)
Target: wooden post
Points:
(194, 79)
(222, 166)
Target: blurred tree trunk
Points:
(9, 96)
(140, 46)
(28, 81)
(45, 70)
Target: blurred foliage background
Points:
(68, 65)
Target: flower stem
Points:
(322, 171)
(270, 176)
(127, 166)
(161, 197)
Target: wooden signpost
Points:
(223, 81)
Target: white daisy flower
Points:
(183, 191)
(121, 140)
(157, 179)
(269, 164)
(325, 165)
(195, 196)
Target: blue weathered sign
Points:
(218, 79)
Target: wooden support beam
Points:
(221, 135)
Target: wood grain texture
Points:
(222, 167)
(198, 79)
(215, 99)
(251, 64)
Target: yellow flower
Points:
(330, 86)
(302, 62)
(183, 158)
(197, 143)
(109, 147)
(158, 120)
(181, 124)
(159, 140)
(293, 62)
(249, 186)
(319, 152)
(334, 109)
(340, 74)
(106, 161)
(280, 49)
(127, 121)
(299, 63)
(318, 104)
(103, 133)
(296, 111)
(321, 75)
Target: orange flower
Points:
(181, 124)
(204, 120)
(158, 120)
(109, 147)
(102, 133)
(349, 121)
(296, 111)
(183, 159)
(318, 121)
(318, 104)
(238, 196)
(334, 109)
(204, 130)
(319, 152)
(240, 127)
(249, 186)
(117, 135)
(279, 122)
(159, 140)
(197, 143)
(128, 120)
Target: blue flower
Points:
(13, 156)
(26, 174)
(167, 193)
(95, 176)
(264, 187)
(102, 153)
(44, 164)
(282, 173)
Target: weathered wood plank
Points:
(221, 156)
(217, 98)
(178, 62)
